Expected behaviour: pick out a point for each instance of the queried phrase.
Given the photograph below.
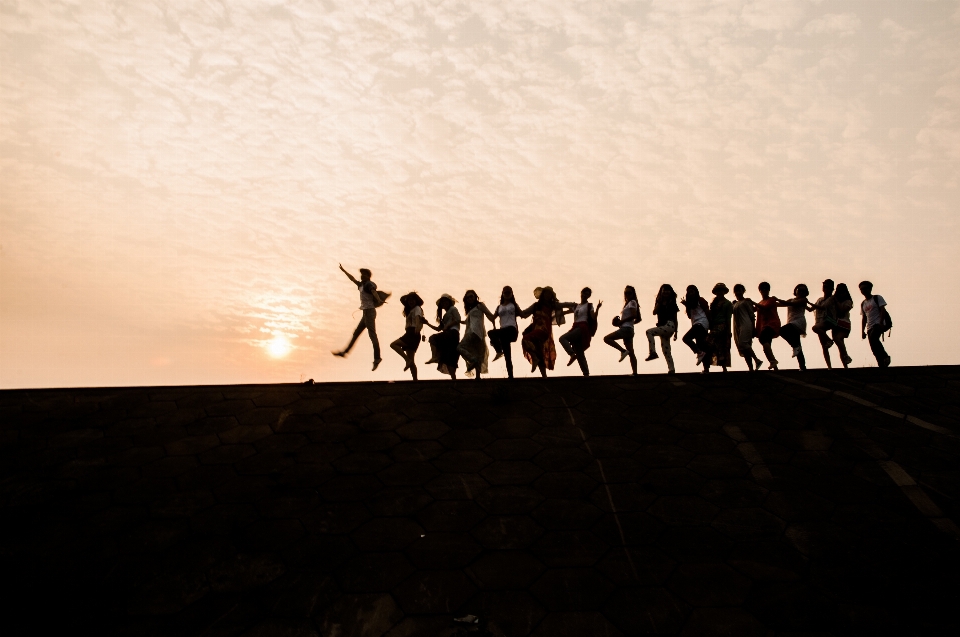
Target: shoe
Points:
(758, 364)
(573, 359)
(623, 355)
(700, 356)
(339, 354)
(795, 350)
(376, 364)
(829, 343)
(848, 360)
(653, 356)
(773, 365)
(497, 357)
(671, 372)
(433, 361)
(405, 368)
(886, 362)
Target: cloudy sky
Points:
(180, 179)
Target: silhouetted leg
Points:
(356, 334)
(370, 320)
(667, 352)
(508, 357)
(876, 346)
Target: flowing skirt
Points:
(538, 341)
(444, 347)
(719, 344)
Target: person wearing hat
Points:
(538, 346)
(721, 312)
(443, 346)
(406, 346)
(370, 300)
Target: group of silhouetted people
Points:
(715, 326)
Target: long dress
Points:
(538, 337)
(473, 346)
(720, 315)
(743, 327)
(446, 342)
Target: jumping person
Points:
(768, 322)
(796, 325)
(538, 346)
(696, 337)
(665, 307)
(473, 346)
(577, 340)
(743, 327)
(443, 346)
(507, 333)
(825, 319)
(370, 300)
(875, 322)
(843, 303)
(721, 311)
(629, 315)
(406, 346)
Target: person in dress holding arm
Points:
(473, 346)
(538, 346)
(744, 310)
(406, 346)
(443, 346)
(768, 323)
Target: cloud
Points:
(835, 23)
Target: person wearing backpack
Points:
(370, 300)
(665, 307)
(876, 320)
(577, 340)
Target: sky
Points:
(180, 180)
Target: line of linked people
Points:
(715, 326)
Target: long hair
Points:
(467, 306)
(691, 300)
(507, 298)
(547, 300)
(842, 293)
(801, 290)
(665, 295)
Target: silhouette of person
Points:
(825, 319)
(875, 322)
(721, 311)
(507, 333)
(744, 310)
(473, 346)
(370, 300)
(696, 337)
(843, 303)
(537, 342)
(666, 310)
(796, 325)
(577, 340)
(406, 346)
(768, 323)
(443, 346)
(629, 316)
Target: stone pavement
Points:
(721, 504)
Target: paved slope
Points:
(720, 504)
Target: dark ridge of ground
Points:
(726, 504)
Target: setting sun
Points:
(279, 346)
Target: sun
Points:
(279, 346)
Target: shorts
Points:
(624, 332)
(410, 340)
(767, 335)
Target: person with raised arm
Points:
(843, 303)
(370, 300)
(577, 340)
(768, 323)
(538, 346)
(698, 311)
(876, 320)
(443, 346)
(406, 346)
(796, 325)
(744, 310)
(629, 315)
(825, 319)
(473, 346)
(721, 311)
(666, 310)
(501, 338)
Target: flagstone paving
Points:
(722, 504)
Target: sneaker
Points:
(434, 361)
(773, 365)
(700, 356)
(623, 355)
(339, 354)
(795, 350)
(376, 364)
(653, 356)
(886, 362)
(671, 372)
(573, 359)
(847, 360)
(498, 357)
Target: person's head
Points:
(828, 287)
(444, 303)
(665, 294)
(470, 300)
(739, 291)
(585, 294)
(866, 288)
(629, 294)
(545, 296)
(764, 289)
(365, 274)
(507, 295)
(410, 301)
(691, 299)
(801, 290)
(720, 289)
(843, 293)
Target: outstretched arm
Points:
(596, 312)
(527, 312)
(486, 312)
(350, 276)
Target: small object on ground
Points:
(467, 619)
(309, 381)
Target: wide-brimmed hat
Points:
(411, 297)
(538, 291)
(448, 297)
(720, 288)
